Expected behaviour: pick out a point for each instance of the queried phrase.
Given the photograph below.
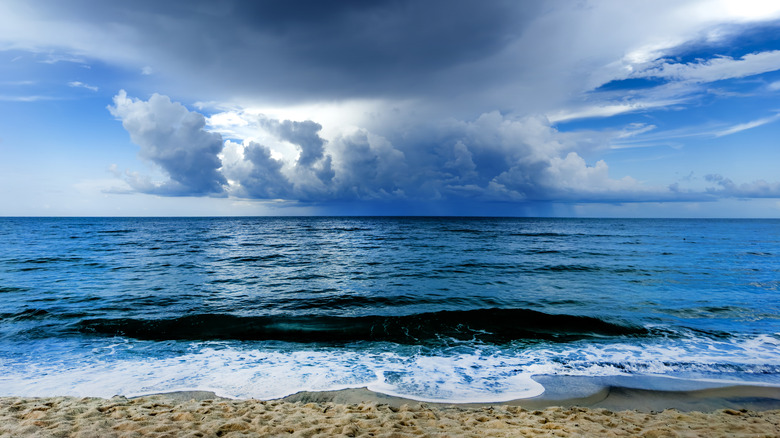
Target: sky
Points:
(400, 107)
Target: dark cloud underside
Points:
(311, 49)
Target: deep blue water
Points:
(453, 309)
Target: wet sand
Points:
(733, 411)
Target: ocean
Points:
(433, 309)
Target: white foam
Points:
(264, 371)
(456, 379)
(248, 373)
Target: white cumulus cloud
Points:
(173, 138)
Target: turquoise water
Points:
(440, 309)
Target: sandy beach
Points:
(359, 412)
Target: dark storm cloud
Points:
(265, 181)
(491, 159)
(304, 134)
(370, 171)
(305, 49)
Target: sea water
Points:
(436, 309)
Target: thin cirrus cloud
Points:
(749, 125)
(716, 69)
(30, 98)
(679, 83)
(77, 84)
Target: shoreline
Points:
(641, 393)
(649, 394)
(590, 407)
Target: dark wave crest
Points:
(495, 326)
(26, 314)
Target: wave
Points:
(26, 314)
(494, 326)
(463, 230)
(252, 259)
(11, 289)
(569, 268)
(45, 260)
(557, 234)
(541, 234)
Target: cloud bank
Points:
(493, 158)
(757, 189)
